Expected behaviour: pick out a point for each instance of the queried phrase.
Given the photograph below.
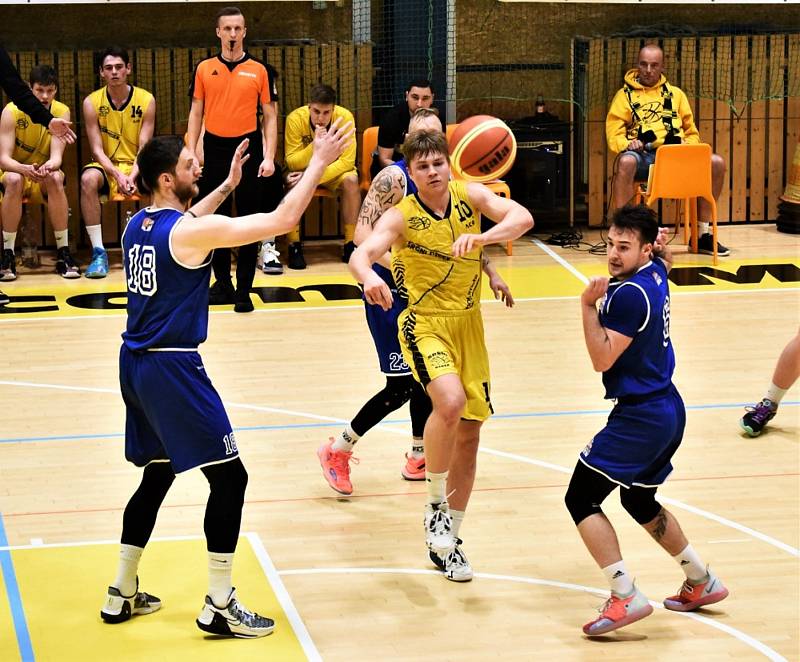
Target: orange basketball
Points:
(482, 148)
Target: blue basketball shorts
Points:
(383, 327)
(644, 160)
(637, 444)
(172, 411)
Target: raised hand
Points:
(238, 160)
(329, 145)
(597, 287)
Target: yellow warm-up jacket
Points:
(636, 109)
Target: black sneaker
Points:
(757, 417)
(233, 620)
(65, 265)
(4, 298)
(705, 244)
(243, 303)
(347, 251)
(119, 608)
(221, 293)
(8, 266)
(296, 258)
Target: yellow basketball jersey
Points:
(31, 140)
(424, 268)
(120, 127)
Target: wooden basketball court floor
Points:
(349, 579)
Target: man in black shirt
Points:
(394, 125)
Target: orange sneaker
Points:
(414, 468)
(692, 596)
(618, 611)
(336, 467)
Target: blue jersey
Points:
(167, 301)
(411, 187)
(639, 308)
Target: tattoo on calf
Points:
(660, 527)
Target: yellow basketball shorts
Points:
(32, 191)
(439, 343)
(335, 184)
(109, 188)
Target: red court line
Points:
(378, 495)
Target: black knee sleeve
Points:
(140, 514)
(228, 482)
(393, 396)
(641, 504)
(420, 408)
(586, 492)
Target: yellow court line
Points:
(63, 587)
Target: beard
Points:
(185, 193)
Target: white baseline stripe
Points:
(738, 634)
(284, 598)
(561, 261)
(511, 456)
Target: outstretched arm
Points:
(388, 229)
(195, 237)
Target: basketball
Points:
(482, 148)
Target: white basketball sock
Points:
(9, 239)
(775, 394)
(95, 233)
(129, 556)
(436, 484)
(62, 238)
(458, 519)
(220, 571)
(618, 578)
(346, 441)
(702, 228)
(690, 563)
(417, 449)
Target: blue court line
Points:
(387, 421)
(14, 599)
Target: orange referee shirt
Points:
(232, 94)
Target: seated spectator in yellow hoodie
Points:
(646, 113)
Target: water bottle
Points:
(30, 253)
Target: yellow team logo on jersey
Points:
(419, 222)
(103, 110)
(22, 124)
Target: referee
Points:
(229, 91)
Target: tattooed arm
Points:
(386, 190)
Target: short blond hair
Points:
(422, 143)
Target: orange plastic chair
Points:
(497, 186)
(369, 143)
(684, 172)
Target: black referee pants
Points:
(254, 194)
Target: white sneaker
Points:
(270, 264)
(438, 529)
(454, 565)
(234, 620)
(119, 608)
